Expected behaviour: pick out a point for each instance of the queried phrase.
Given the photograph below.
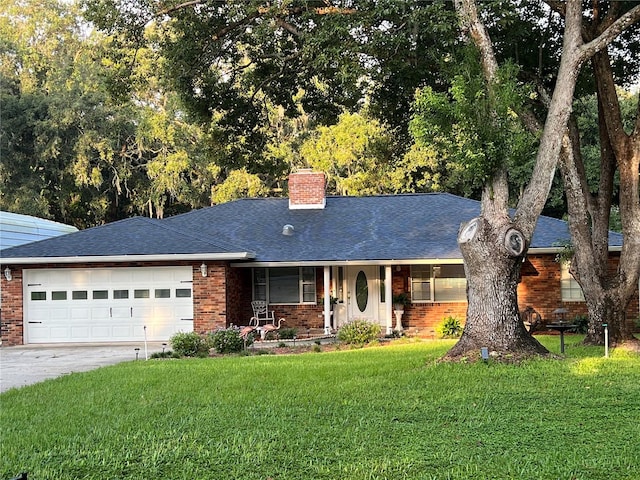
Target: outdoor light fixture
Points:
(7, 274)
(484, 353)
(287, 230)
(203, 269)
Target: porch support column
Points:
(327, 300)
(388, 295)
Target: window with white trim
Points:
(438, 283)
(571, 291)
(421, 283)
(285, 285)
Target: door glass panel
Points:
(79, 295)
(362, 291)
(162, 293)
(142, 293)
(38, 296)
(59, 295)
(100, 294)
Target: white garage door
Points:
(107, 304)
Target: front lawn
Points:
(376, 413)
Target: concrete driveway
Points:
(28, 364)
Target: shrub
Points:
(189, 344)
(228, 340)
(359, 332)
(582, 323)
(449, 328)
(287, 333)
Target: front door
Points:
(362, 293)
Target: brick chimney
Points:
(306, 189)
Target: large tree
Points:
(494, 243)
(607, 290)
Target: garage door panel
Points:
(80, 334)
(86, 310)
(58, 314)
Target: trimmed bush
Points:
(189, 344)
(450, 327)
(287, 333)
(228, 340)
(359, 332)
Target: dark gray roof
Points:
(133, 236)
(393, 227)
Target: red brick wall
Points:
(209, 298)
(11, 315)
(540, 289)
(306, 188)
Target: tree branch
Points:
(610, 33)
(175, 8)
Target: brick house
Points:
(199, 271)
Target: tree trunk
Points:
(609, 310)
(492, 268)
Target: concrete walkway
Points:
(28, 364)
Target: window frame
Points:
(569, 286)
(303, 280)
(434, 275)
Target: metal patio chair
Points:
(261, 314)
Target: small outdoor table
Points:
(561, 327)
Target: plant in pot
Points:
(400, 300)
(332, 301)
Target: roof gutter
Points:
(130, 258)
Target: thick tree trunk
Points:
(493, 259)
(608, 308)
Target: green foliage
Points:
(288, 333)
(359, 332)
(449, 327)
(401, 299)
(228, 340)
(582, 323)
(474, 126)
(355, 154)
(189, 344)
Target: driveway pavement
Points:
(28, 364)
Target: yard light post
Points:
(137, 349)
(606, 340)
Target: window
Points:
(79, 295)
(438, 283)
(59, 295)
(100, 294)
(450, 284)
(163, 293)
(285, 285)
(421, 283)
(571, 291)
(120, 294)
(142, 293)
(37, 296)
(183, 293)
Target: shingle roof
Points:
(132, 236)
(393, 227)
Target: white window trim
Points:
(301, 283)
(573, 284)
(432, 286)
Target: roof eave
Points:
(228, 256)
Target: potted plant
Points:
(400, 300)
(332, 301)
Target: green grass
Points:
(376, 413)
